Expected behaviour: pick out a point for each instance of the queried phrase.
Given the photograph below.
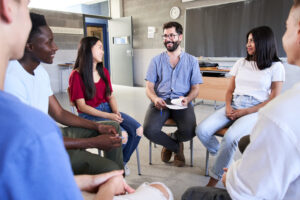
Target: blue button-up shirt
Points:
(171, 83)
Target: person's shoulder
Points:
(14, 67)
(242, 61)
(105, 70)
(285, 104)
(41, 71)
(23, 119)
(189, 59)
(75, 74)
(283, 113)
(276, 65)
(189, 56)
(159, 56)
(41, 68)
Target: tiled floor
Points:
(133, 101)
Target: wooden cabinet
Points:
(213, 88)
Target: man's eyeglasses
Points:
(170, 36)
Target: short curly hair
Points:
(176, 25)
(37, 21)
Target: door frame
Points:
(104, 26)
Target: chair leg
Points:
(100, 152)
(138, 160)
(206, 163)
(191, 151)
(150, 153)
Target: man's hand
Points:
(107, 129)
(106, 142)
(185, 101)
(159, 103)
(224, 176)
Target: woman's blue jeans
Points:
(129, 125)
(238, 128)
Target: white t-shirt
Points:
(251, 81)
(270, 165)
(33, 90)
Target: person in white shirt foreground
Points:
(270, 165)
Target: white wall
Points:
(116, 8)
(54, 71)
(141, 60)
(142, 57)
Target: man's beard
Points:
(174, 47)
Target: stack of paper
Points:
(176, 104)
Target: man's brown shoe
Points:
(166, 154)
(179, 160)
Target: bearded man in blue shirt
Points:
(171, 75)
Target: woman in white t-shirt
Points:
(255, 81)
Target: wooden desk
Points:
(213, 88)
(213, 70)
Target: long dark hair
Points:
(84, 64)
(265, 47)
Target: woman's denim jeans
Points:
(238, 128)
(129, 125)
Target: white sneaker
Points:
(127, 170)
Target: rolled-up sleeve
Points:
(152, 72)
(196, 77)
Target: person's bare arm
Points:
(224, 176)
(113, 104)
(83, 107)
(228, 97)
(67, 118)
(158, 102)
(192, 95)
(275, 91)
(103, 142)
(108, 140)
